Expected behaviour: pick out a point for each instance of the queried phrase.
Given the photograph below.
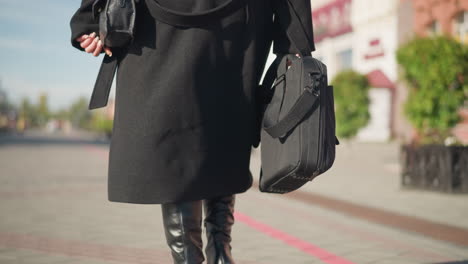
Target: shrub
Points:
(351, 102)
(101, 124)
(436, 71)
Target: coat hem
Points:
(130, 200)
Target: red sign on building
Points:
(374, 49)
(332, 20)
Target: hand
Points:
(92, 44)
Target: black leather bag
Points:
(297, 120)
(116, 21)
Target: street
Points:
(54, 207)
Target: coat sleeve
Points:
(83, 22)
(302, 9)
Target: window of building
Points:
(345, 59)
(460, 26)
(434, 28)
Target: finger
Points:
(98, 48)
(92, 46)
(82, 37)
(108, 51)
(86, 42)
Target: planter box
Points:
(435, 167)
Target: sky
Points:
(36, 54)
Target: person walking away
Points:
(186, 113)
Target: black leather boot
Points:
(182, 225)
(219, 218)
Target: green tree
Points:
(5, 104)
(42, 109)
(28, 113)
(350, 90)
(100, 123)
(79, 114)
(5, 107)
(436, 71)
(62, 114)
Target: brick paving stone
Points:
(403, 259)
(48, 259)
(344, 249)
(8, 254)
(19, 256)
(372, 255)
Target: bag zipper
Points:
(314, 88)
(321, 116)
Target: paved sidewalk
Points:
(369, 174)
(54, 209)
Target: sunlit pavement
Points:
(54, 209)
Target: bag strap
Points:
(194, 18)
(293, 27)
(103, 82)
(297, 112)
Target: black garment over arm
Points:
(300, 8)
(82, 22)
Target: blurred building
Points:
(364, 35)
(441, 16)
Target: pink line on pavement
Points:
(300, 244)
(356, 232)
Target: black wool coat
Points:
(185, 106)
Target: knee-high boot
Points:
(219, 218)
(182, 225)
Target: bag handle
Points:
(305, 103)
(301, 107)
(192, 19)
